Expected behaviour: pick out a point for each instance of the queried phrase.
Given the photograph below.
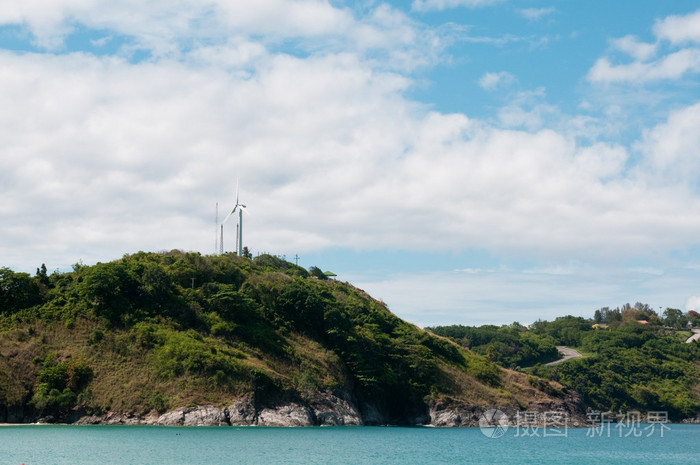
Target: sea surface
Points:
(149, 445)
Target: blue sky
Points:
(466, 161)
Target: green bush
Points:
(60, 383)
(187, 353)
(158, 402)
(510, 346)
(484, 371)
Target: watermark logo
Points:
(626, 424)
(493, 423)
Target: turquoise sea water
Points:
(123, 445)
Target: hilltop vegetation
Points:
(510, 346)
(634, 358)
(152, 332)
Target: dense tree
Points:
(633, 367)
(17, 291)
(605, 315)
(317, 273)
(246, 253)
(566, 330)
(628, 366)
(674, 317)
(510, 346)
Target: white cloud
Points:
(101, 156)
(677, 29)
(101, 42)
(672, 66)
(672, 149)
(643, 68)
(439, 5)
(528, 110)
(634, 48)
(504, 296)
(693, 303)
(491, 81)
(167, 28)
(536, 13)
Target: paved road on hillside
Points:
(695, 336)
(567, 353)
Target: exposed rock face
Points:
(173, 418)
(326, 409)
(115, 418)
(292, 414)
(335, 408)
(335, 411)
(206, 415)
(451, 416)
(242, 413)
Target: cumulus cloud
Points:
(527, 110)
(169, 28)
(647, 64)
(634, 47)
(102, 155)
(672, 149)
(491, 81)
(537, 13)
(672, 66)
(439, 5)
(678, 29)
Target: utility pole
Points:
(296, 259)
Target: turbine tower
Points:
(239, 230)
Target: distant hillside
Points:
(151, 333)
(634, 359)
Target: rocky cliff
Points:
(328, 411)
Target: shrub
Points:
(59, 384)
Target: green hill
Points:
(634, 359)
(150, 333)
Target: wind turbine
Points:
(240, 207)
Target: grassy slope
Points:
(134, 335)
